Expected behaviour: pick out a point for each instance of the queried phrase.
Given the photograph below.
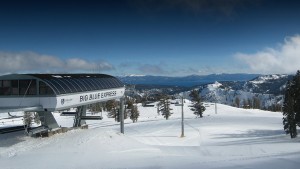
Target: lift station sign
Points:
(98, 96)
(86, 98)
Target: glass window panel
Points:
(27, 87)
(57, 85)
(44, 89)
(24, 85)
(52, 85)
(111, 83)
(90, 83)
(103, 80)
(81, 84)
(117, 82)
(120, 84)
(94, 86)
(6, 83)
(100, 83)
(33, 88)
(71, 85)
(5, 87)
(77, 85)
(107, 81)
(86, 84)
(15, 87)
(64, 85)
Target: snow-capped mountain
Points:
(267, 84)
(264, 92)
(187, 81)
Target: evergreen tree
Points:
(134, 114)
(297, 97)
(256, 103)
(128, 106)
(197, 105)
(245, 104)
(237, 102)
(250, 103)
(291, 106)
(132, 110)
(289, 124)
(129, 103)
(96, 108)
(164, 106)
(111, 107)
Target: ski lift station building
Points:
(53, 92)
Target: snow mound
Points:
(214, 85)
(263, 79)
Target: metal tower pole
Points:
(122, 115)
(182, 118)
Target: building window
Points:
(5, 87)
(27, 87)
(1, 88)
(44, 89)
(15, 87)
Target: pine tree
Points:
(245, 104)
(289, 124)
(129, 106)
(237, 102)
(250, 103)
(129, 103)
(291, 106)
(256, 103)
(113, 112)
(132, 110)
(164, 106)
(96, 108)
(197, 105)
(134, 114)
(297, 98)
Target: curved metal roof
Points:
(74, 83)
(49, 92)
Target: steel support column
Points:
(47, 119)
(121, 115)
(81, 111)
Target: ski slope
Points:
(231, 139)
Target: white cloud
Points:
(284, 59)
(153, 69)
(31, 62)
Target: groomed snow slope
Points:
(233, 138)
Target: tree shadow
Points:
(256, 137)
(10, 139)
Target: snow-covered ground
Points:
(233, 139)
(6, 121)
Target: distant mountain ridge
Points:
(267, 89)
(187, 81)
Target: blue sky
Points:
(152, 37)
